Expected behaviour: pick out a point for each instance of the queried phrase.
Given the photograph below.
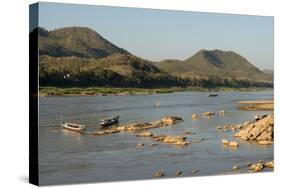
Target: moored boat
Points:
(212, 95)
(109, 121)
(73, 127)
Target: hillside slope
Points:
(214, 63)
(80, 57)
(75, 41)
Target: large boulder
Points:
(261, 130)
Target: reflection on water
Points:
(73, 134)
(69, 157)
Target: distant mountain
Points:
(75, 41)
(214, 63)
(78, 56)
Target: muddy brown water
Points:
(68, 157)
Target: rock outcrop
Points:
(140, 126)
(208, 113)
(257, 167)
(260, 131)
(159, 174)
(229, 143)
(171, 139)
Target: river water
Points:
(67, 157)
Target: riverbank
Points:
(89, 91)
(256, 105)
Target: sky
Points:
(162, 34)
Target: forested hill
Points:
(215, 63)
(78, 56)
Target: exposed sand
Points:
(256, 105)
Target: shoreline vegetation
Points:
(104, 91)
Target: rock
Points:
(245, 137)
(121, 128)
(140, 145)
(245, 132)
(225, 142)
(260, 131)
(239, 126)
(145, 134)
(257, 167)
(265, 142)
(235, 167)
(194, 116)
(138, 126)
(171, 139)
(222, 112)
(194, 171)
(259, 117)
(104, 132)
(159, 174)
(171, 120)
(183, 143)
(178, 172)
(266, 134)
(233, 144)
(208, 113)
(219, 128)
(246, 123)
(269, 164)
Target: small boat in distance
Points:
(109, 121)
(73, 127)
(212, 95)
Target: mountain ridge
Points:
(75, 41)
(85, 55)
(214, 63)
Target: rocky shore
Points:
(260, 131)
(140, 126)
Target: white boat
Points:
(73, 127)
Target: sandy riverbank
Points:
(256, 105)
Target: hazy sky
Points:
(161, 34)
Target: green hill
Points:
(75, 41)
(80, 57)
(214, 63)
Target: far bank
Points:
(89, 91)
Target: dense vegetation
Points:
(75, 41)
(80, 57)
